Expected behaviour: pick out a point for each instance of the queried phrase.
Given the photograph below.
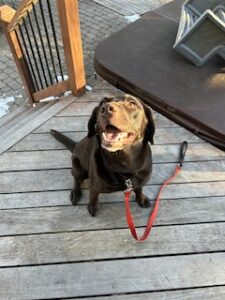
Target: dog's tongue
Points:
(111, 132)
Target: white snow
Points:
(59, 77)
(89, 88)
(132, 18)
(4, 104)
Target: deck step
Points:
(25, 121)
(13, 119)
(12, 115)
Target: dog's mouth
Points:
(114, 137)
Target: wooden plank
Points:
(105, 86)
(215, 293)
(13, 124)
(110, 216)
(57, 159)
(7, 120)
(53, 90)
(202, 151)
(80, 123)
(86, 109)
(24, 7)
(79, 108)
(6, 13)
(61, 179)
(44, 141)
(61, 159)
(71, 36)
(58, 198)
(64, 124)
(32, 122)
(110, 277)
(109, 244)
(38, 199)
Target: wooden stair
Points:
(18, 124)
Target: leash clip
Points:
(183, 150)
(129, 185)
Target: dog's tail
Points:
(70, 144)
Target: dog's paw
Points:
(92, 209)
(75, 196)
(143, 201)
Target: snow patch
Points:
(60, 78)
(133, 18)
(4, 105)
(89, 88)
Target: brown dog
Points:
(115, 149)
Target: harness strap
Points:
(153, 215)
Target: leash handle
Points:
(153, 215)
(183, 150)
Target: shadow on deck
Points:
(52, 250)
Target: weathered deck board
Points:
(161, 153)
(53, 180)
(215, 293)
(31, 122)
(81, 107)
(109, 244)
(62, 159)
(76, 124)
(110, 277)
(53, 250)
(45, 141)
(61, 179)
(112, 215)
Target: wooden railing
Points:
(34, 41)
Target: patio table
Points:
(140, 60)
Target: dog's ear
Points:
(92, 123)
(150, 128)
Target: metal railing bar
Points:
(32, 51)
(55, 38)
(28, 57)
(42, 42)
(48, 40)
(37, 47)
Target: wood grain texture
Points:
(99, 278)
(215, 293)
(53, 250)
(68, 13)
(211, 173)
(110, 216)
(53, 90)
(213, 170)
(109, 244)
(203, 151)
(73, 123)
(34, 120)
(53, 180)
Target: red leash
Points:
(153, 215)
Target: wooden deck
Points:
(52, 250)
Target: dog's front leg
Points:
(141, 199)
(93, 203)
(79, 175)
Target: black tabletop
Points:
(140, 60)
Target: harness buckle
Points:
(129, 185)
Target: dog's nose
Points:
(108, 108)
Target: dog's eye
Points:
(132, 104)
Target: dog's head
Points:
(121, 122)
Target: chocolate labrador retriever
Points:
(116, 149)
